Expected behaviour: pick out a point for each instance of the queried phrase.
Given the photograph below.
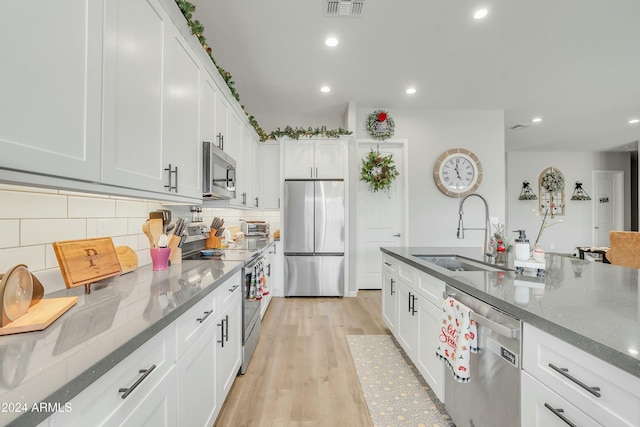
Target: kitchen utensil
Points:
(219, 232)
(163, 241)
(147, 231)
(156, 215)
(16, 289)
(86, 261)
(127, 258)
(170, 227)
(166, 220)
(155, 228)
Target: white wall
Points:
(576, 227)
(433, 217)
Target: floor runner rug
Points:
(395, 392)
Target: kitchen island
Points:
(580, 329)
(43, 372)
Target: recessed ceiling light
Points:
(325, 89)
(480, 13)
(411, 91)
(537, 119)
(331, 42)
(634, 121)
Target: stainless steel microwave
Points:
(218, 173)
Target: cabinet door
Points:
(208, 94)
(541, 407)
(298, 160)
(389, 299)
(407, 329)
(133, 51)
(233, 146)
(229, 345)
(222, 125)
(182, 149)
(248, 173)
(197, 401)
(268, 165)
(329, 159)
(157, 409)
(51, 102)
(431, 367)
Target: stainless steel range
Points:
(250, 304)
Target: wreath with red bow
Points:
(380, 125)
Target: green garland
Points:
(297, 133)
(378, 171)
(380, 125)
(197, 29)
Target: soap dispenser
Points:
(523, 248)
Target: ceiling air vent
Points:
(345, 7)
(519, 126)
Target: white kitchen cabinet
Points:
(408, 319)
(275, 258)
(208, 96)
(51, 102)
(541, 407)
(182, 147)
(268, 166)
(135, 390)
(314, 158)
(248, 174)
(603, 392)
(389, 299)
(229, 342)
(222, 129)
(431, 367)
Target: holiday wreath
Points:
(380, 125)
(378, 171)
(553, 181)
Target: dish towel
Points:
(458, 338)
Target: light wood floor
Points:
(301, 373)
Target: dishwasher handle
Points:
(505, 331)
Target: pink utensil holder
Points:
(160, 258)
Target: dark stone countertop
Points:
(593, 306)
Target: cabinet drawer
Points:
(407, 273)
(617, 402)
(431, 288)
(541, 407)
(226, 292)
(103, 399)
(390, 263)
(190, 325)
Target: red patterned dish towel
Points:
(458, 338)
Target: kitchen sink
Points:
(456, 263)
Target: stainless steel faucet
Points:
(487, 227)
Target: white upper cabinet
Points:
(222, 125)
(134, 40)
(182, 148)
(208, 95)
(268, 166)
(51, 87)
(314, 159)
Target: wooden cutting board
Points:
(86, 261)
(39, 316)
(127, 257)
(625, 248)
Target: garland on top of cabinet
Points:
(197, 29)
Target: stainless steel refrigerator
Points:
(313, 238)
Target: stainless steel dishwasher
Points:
(492, 397)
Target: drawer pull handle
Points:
(388, 264)
(233, 288)
(203, 318)
(127, 391)
(558, 413)
(393, 282)
(565, 372)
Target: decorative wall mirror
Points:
(551, 186)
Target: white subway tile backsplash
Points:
(18, 205)
(129, 240)
(31, 256)
(91, 207)
(42, 231)
(107, 227)
(10, 233)
(131, 208)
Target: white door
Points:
(608, 205)
(380, 218)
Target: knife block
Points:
(212, 241)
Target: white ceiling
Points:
(575, 63)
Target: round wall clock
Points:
(457, 172)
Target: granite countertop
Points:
(104, 327)
(593, 306)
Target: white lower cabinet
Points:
(602, 392)
(139, 390)
(541, 407)
(407, 330)
(389, 299)
(430, 366)
(229, 343)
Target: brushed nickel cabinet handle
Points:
(565, 373)
(127, 391)
(559, 413)
(393, 282)
(388, 264)
(204, 317)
